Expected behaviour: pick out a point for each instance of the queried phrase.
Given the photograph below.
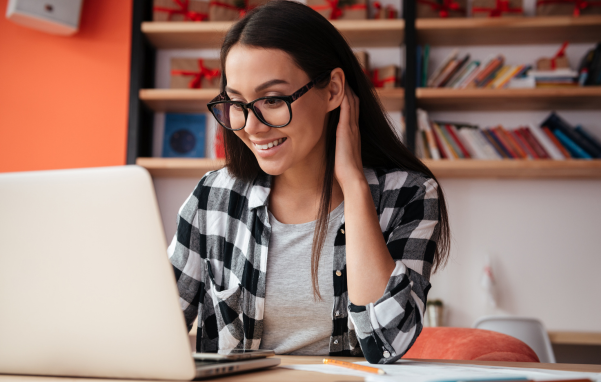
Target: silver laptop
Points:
(86, 288)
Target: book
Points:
(423, 124)
(550, 148)
(530, 153)
(446, 74)
(456, 69)
(497, 146)
(534, 143)
(469, 69)
(555, 122)
(449, 139)
(487, 148)
(573, 148)
(556, 142)
(443, 144)
(450, 57)
(500, 138)
(588, 136)
(424, 79)
(471, 145)
(499, 74)
(487, 71)
(184, 135)
(514, 144)
(455, 135)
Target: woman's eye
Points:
(273, 102)
(236, 107)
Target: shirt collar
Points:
(259, 192)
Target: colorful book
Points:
(447, 146)
(556, 142)
(530, 154)
(455, 135)
(487, 71)
(460, 65)
(497, 146)
(449, 138)
(550, 148)
(465, 73)
(423, 124)
(184, 135)
(555, 122)
(443, 65)
(486, 146)
(439, 144)
(514, 144)
(470, 144)
(573, 148)
(534, 143)
(502, 142)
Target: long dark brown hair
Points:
(316, 46)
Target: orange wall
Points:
(63, 100)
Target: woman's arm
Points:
(388, 257)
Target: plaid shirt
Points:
(219, 255)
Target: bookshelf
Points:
(467, 168)
(576, 98)
(145, 100)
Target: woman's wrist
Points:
(353, 185)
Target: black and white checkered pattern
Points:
(219, 255)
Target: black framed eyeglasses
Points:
(273, 111)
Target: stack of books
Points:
(553, 139)
(590, 67)
(460, 72)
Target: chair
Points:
(470, 345)
(529, 330)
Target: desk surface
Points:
(287, 375)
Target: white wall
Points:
(542, 235)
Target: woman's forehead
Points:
(252, 65)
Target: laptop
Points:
(86, 288)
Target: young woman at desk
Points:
(320, 234)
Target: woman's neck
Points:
(296, 194)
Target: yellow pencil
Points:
(353, 366)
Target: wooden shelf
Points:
(197, 35)
(195, 100)
(575, 338)
(508, 30)
(588, 97)
(519, 169)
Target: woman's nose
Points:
(254, 126)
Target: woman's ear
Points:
(336, 88)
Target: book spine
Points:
(455, 135)
(554, 122)
(576, 150)
(523, 144)
(469, 144)
(487, 134)
(501, 141)
(534, 143)
(443, 152)
(452, 142)
(588, 136)
(432, 145)
(545, 142)
(485, 145)
(514, 144)
(419, 65)
(426, 147)
(556, 142)
(424, 79)
(444, 142)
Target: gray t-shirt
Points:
(293, 322)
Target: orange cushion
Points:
(470, 345)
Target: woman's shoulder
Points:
(220, 185)
(397, 183)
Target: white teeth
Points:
(270, 144)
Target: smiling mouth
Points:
(270, 145)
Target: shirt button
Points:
(342, 230)
(337, 313)
(338, 273)
(386, 354)
(335, 342)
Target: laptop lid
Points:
(86, 288)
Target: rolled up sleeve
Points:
(409, 218)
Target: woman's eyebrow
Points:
(260, 87)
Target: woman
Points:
(283, 248)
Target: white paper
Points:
(415, 371)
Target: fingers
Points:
(354, 106)
(345, 112)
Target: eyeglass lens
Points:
(273, 111)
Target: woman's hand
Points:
(348, 167)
